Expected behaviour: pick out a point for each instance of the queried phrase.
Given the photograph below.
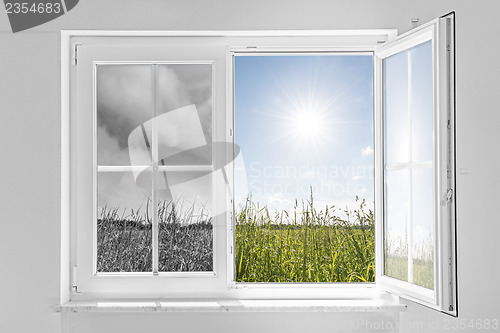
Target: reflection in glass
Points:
(421, 102)
(123, 223)
(396, 108)
(395, 227)
(408, 112)
(124, 103)
(185, 221)
(423, 228)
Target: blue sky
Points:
(302, 121)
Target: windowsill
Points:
(367, 305)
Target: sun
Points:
(306, 129)
(307, 124)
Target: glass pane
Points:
(185, 221)
(421, 102)
(184, 114)
(124, 222)
(124, 106)
(423, 228)
(396, 222)
(396, 108)
(304, 187)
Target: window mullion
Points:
(154, 160)
(407, 166)
(410, 174)
(122, 168)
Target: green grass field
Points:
(304, 245)
(301, 245)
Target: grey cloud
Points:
(124, 94)
(123, 99)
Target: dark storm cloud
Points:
(124, 96)
(124, 102)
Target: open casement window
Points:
(151, 132)
(415, 204)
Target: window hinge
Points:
(231, 249)
(74, 284)
(75, 53)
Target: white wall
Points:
(30, 153)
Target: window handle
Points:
(449, 195)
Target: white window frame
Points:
(443, 298)
(82, 283)
(83, 154)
